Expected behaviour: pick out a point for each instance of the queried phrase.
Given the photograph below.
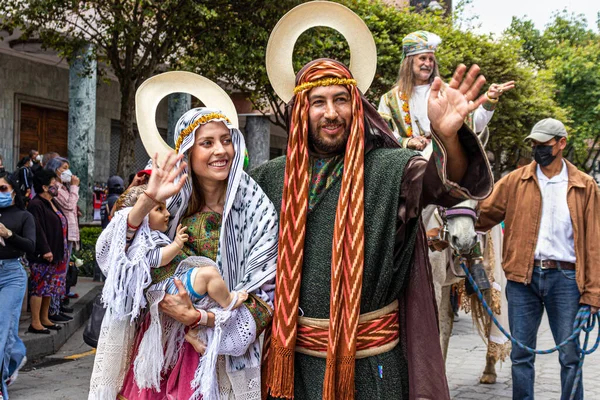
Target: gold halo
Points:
(363, 52)
(152, 91)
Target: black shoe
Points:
(60, 318)
(65, 309)
(53, 327)
(31, 329)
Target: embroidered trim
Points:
(202, 120)
(324, 82)
(261, 312)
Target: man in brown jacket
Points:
(551, 257)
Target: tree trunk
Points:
(127, 146)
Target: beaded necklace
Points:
(407, 117)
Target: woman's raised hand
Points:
(162, 184)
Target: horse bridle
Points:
(455, 212)
(447, 214)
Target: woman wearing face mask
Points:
(17, 237)
(68, 196)
(48, 263)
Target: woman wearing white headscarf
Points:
(229, 220)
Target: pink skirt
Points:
(174, 385)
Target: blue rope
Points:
(584, 321)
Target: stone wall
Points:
(20, 76)
(48, 85)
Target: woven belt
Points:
(378, 332)
(552, 264)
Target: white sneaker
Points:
(11, 379)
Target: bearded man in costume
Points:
(405, 106)
(354, 309)
(343, 178)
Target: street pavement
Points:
(466, 361)
(62, 376)
(59, 377)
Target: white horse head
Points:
(461, 226)
(462, 217)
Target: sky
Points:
(496, 15)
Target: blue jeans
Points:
(13, 281)
(556, 290)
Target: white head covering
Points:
(177, 204)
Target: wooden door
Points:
(44, 129)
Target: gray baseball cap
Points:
(546, 129)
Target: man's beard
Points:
(323, 146)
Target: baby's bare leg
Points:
(208, 280)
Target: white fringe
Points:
(205, 383)
(127, 270)
(150, 357)
(174, 333)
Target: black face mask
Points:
(543, 155)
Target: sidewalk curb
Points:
(39, 346)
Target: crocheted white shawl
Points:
(246, 259)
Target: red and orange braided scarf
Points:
(347, 255)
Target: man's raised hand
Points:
(448, 107)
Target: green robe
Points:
(383, 279)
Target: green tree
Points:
(132, 38)
(575, 74)
(534, 46)
(567, 55)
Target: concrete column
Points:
(82, 125)
(258, 141)
(178, 104)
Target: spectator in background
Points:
(36, 160)
(45, 160)
(24, 162)
(23, 177)
(141, 178)
(17, 237)
(68, 196)
(116, 186)
(1, 164)
(48, 262)
(49, 156)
